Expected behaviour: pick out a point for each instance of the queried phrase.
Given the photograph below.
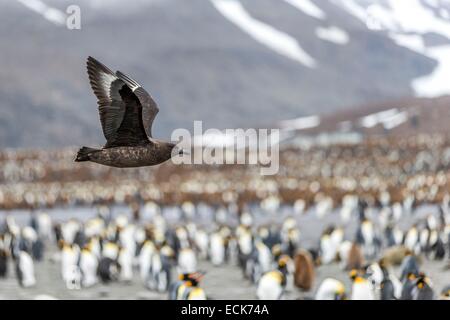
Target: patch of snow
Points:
(413, 16)
(444, 13)
(301, 123)
(438, 82)
(380, 18)
(333, 34)
(407, 22)
(372, 120)
(51, 14)
(413, 42)
(401, 16)
(276, 40)
(353, 8)
(395, 120)
(308, 7)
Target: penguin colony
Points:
(379, 259)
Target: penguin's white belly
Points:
(26, 266)
(328, 289)
(397, 286)
(68, 262)
(269, 288)
(344, 251)
(265, 259)
(217, 251)
(156, 264)
(88, 266)
(363, 291)
(328, 251)
(367, 234)
(145, 263)
(245, 244)
(126, 264)
(127, 239)
(69, 231)
(45, 226)
(197, 294)
(110, 252)
(398, 236)
(411, 240)
(187, 261)
(201, 240)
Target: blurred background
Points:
(358, 88)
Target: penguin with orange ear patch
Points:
(173, 288)
(331, 289)
(304, 270)
(408, 286)
(410, 264)
(188, 287)
(272, 285)
(362, 289)
(423, 289)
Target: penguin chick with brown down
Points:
(304, 270)
(126, 113)
(355, 258)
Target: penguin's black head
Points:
(283, 262)
(184, 276)
(193, 278)
(353, 274)
(422, 281)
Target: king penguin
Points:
(188, 288)
(409, 283)
(217, 248)
(331, 289)
(362, 289)
(25, 270)
(272, 284)
(88, 267)
(423, 289)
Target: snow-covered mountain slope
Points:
(408, 23)
(231, 63)
(276, 40)
(406, 116)
(49, 13)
